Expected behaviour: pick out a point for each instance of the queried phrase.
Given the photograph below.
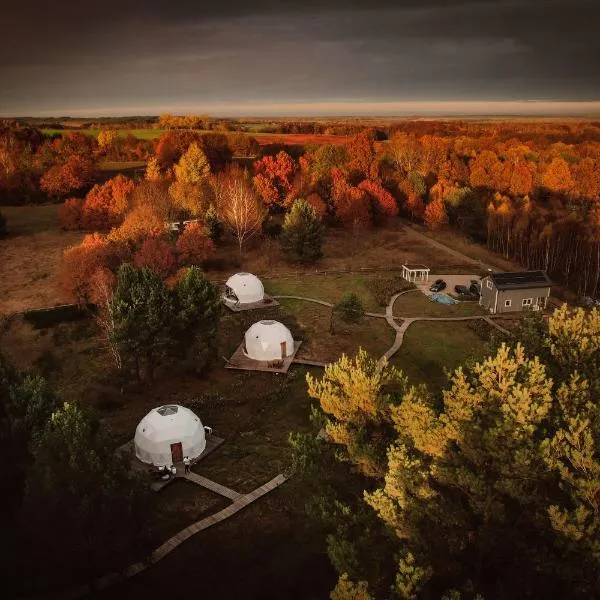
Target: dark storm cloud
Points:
(145, 56)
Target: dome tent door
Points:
(283, 349)
(177, 452)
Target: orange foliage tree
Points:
(318, 204)
(156, 254)
(73, 175)
(194, 246)
(142, 222)
(412, 201)
(557, 177)
(106, 204)
(435, 214)
(69, 213)
(485, 168)
(274, 179)
(81, 262)
(352, 205)
(383, 204)
(361, 151)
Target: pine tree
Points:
(197, 311)
(142, 312)
(356, 394)
(83, 507)
(302, 235)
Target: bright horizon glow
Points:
(425, 108)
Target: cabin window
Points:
(489, 284)
(527, 301)
(507, 303)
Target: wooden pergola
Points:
(415, 273)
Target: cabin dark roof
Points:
(521, 280)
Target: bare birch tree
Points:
(238, 204)
(103, 282)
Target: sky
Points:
(311, 57)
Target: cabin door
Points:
(283, 349)
(177, 452)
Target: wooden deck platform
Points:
(240, 361)
(212, 443)
(235, 307)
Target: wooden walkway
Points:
(241, 501)
(213, 486)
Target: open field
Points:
(300, 139)
(122, 165)
(374, 335)
(30, 256)
(329, 288)
(429, 349)
(142, 134)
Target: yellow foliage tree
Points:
(107, 138)
(153, 170)
(357, 394)
(193, 166)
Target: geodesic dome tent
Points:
(268, 340)
(167, 434)
(244, 288)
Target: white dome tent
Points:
(244, 288)
(268, 340)
(167, 434)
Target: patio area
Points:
(266, 302)
(212, 443)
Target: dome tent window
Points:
(268, 340)
(167, 434)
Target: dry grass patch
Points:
(30, 257)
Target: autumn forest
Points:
(528, 190)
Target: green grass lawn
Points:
(314, 321)
(330, 288)
(431, 348)
(141, 134)
(416, 304)
(26, 220)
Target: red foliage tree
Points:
(317, 203)
(73, 175)
(352, 205)
(435, 214)
(81, 262)
(383, 204)
(69, 213)
(194, 246)
(157, 255)
(274, 178)
(106, 204)
(361, 151)
(412, 201)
